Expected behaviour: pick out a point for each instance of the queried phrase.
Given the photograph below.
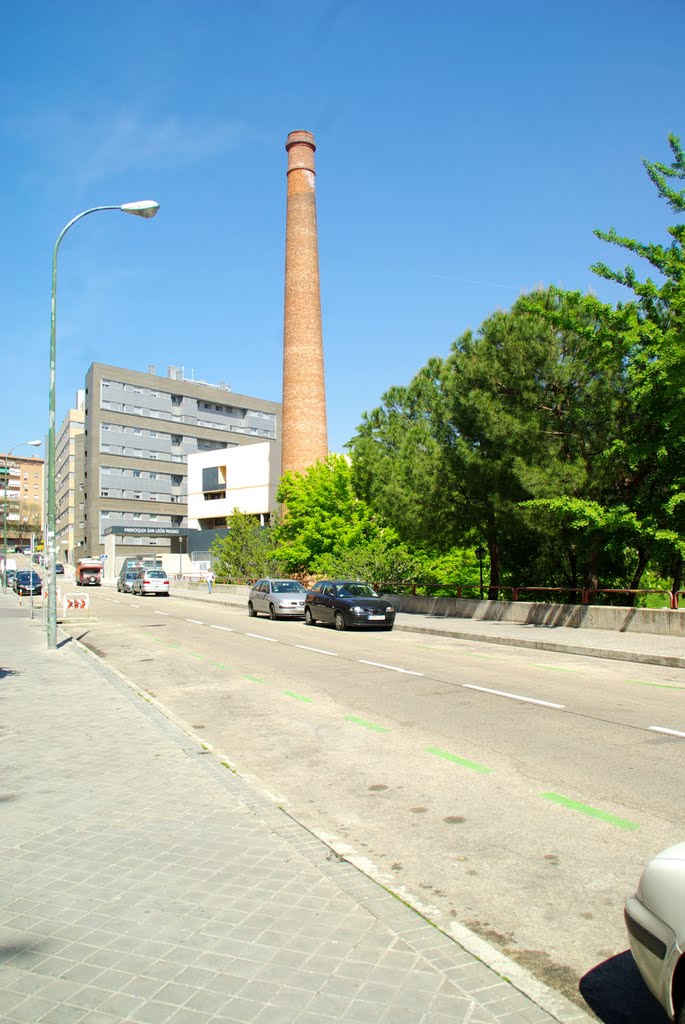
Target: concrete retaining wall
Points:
(634, 620)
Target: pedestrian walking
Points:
(210, 580)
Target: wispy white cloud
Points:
(88, 150)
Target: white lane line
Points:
(135, 606)
(198, 622)
(317, 650)
(668, 732)
(258, 636)
(226, 628)
(393, 668)
(513, 696)
(162, 613)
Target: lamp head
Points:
(34, 444)
(143, 208)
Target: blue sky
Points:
(465, 153)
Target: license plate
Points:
(375, 618)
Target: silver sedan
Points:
(277, 599)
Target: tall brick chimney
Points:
(304, 434)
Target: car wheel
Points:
(339, 621)
(250, 610)
(272, 612)
(680, 1019)
(387, 628)
(308, 617)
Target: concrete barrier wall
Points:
(634, 620)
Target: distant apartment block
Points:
(68, 474)
(22, 495)
(140, 429)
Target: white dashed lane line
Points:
(227, 629)
(316, 650)
(392, 668)
(667, 732)
(258, 636)
(198, 622)
(513, 696)
(162, 613)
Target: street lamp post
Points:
(480, 554)
(33, 444)
(146, 208)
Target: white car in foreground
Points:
(655, 919)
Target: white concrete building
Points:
(222, 480)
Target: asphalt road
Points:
(516, 793)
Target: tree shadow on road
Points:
(615, 992)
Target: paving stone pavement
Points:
(144, 881)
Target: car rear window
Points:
(156, 574)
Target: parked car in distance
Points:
(655, 919)
(277, 599)
(59, 568)
(347, 604)
(151, 581)
(9, 577)
(27, 582)
(125, 580)
(25, 551)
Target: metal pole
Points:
(145, 209)
(481, 578)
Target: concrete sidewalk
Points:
(643, 648)
(143, 881)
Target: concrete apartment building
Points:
(68, 476)
(23, 490)
(140, 429)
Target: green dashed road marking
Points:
(661, 686)
(592, 812)
(193, 654)
(219, 664)
(473, 765)
(365, 724)
(255, 679)
(297, 696)
(555, 668)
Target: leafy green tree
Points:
(519, 410)
(382, 561)
(247, 552)
(321, 515)
(652, 450)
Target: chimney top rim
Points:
(301, 137)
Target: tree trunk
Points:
(495, 566)
(637, 577)
(592, 568)
(677, 583)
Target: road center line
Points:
(258, 636)
(668, 732)
(392, 668)
(317, 650)
(513, 696)
(227, 629)
(197, 622)
(162, 613)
